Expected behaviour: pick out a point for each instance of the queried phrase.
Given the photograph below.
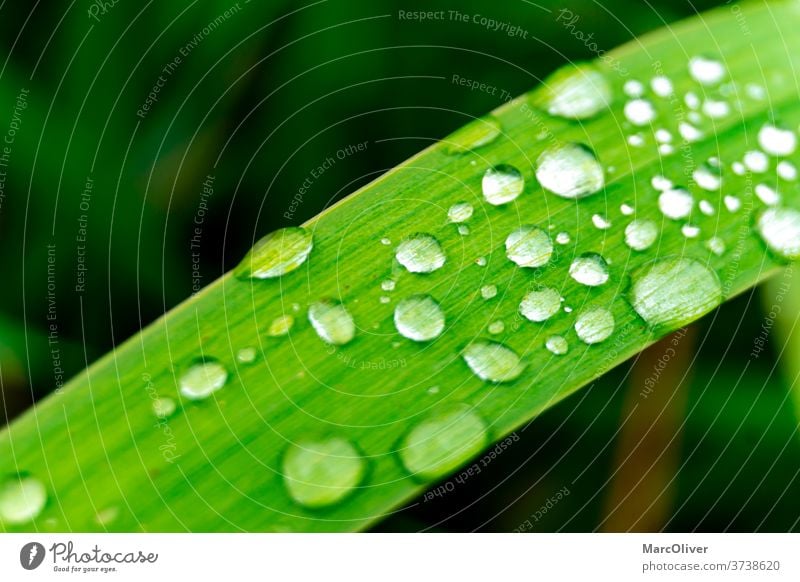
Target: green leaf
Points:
(221, 463)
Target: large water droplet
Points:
(589, 269)
(641, 234)
(419, 318)
(321, 473)
(570, 170)
(22, 499)
(460, 212)
(443, 442)
(557, 345)
(202, 379)
(529, 246)
(276, 254)
(780, 230)
(420, 253)
(676, 203)
(594, 325)
(502, 184)
(777, 141)
(332, 322)
(706, 71)
(540, 305)
(573, 92)
(477, 134)
(674, 291)
(493, 362)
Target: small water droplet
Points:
(22, 499)
(480, 261)
(787, 171)
(106, 516)
(641, 234)
(777, 141)
(589, 269)
(707, 177)
(716, 245)
(502, 184)
(419, 318)
(662, 86)
(692, 100)
(690, 230)
(573, 92)
(594, 325)
(666, 149)
(488, 291)
(706, 70)
(780, 230)
(639, 112)
(570, 170)
(388, 285)
(674, 291)
(676, 203)
(332, 322)
(663, 136)
(433, 390)
(276, 254)
(557, 345)
(636, 140)
(633, 88)
(463, 229)
(164, 407)
(493, 362)
(767, 195)
(496, 327)
(384, 299)
(689, 132)
(477, 134)
(386, 241)
(420, 253)
(202, 379)
(443, 442)
(627, 209)
(706, 208)
(321, 473)
(732, 203)
(529, 246)
(716, 109)
(460, 212)
(280, 326)
(246, 355)
(601, 222)
(563, 238)
(756, 161)
(661, 183)
(540, 305)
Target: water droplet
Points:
(540, 305)
(420, 253)
(433, 390)
(276, 254)
(386, 241)
(332, 322)
(594, 325)
(21, 499)
(780, 230)
(626, 209)
(321, 473)
(480, 261)
(493, 362)
(641, 234)
(557, 345)
(676, 203)
(689, 132)
(674, 291)
(477, 134)
(574, 92)
(280, 326)
(636, 140)
(692, 100)
(388, 285)
(460, 212)
(662, 86)
(787, 171)
(716, 109)
(690, 230)
(496, 327)
(246, 355)
(732, 203)
(563, 238)
(777, 141)
(529, 246)
(106, 516)
(590, 269)
(202, 379)
(661, 183)
(443, 442)
(707, 177)
(639, 112)
(384, 299)
(663, 136)
(706, 70)
(488, 291)
(716, 245)
(463, 229)
(633, 88)
(570, 171)
(601, 222)
(665, 149)
(164, 407)
(767, 195)
(419, 318)
(756, 161)
(502, 184)
(706, 208)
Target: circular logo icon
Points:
(31, 555)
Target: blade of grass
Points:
(217, 464)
